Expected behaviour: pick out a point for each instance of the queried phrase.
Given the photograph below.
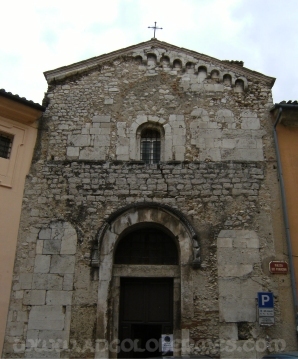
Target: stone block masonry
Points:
(47, 289)
(95, 186)
(86, 192)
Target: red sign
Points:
(278, 267)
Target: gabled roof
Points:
(22, 100)
(284, 104)
(288, 112)
(19, 109)
(92, 63)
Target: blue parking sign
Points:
(265, 300)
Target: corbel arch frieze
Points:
(233, 77)
(199, 64)
(140, 54)
(240, 78)
(173, 58)
(210, 69)
(153, 52)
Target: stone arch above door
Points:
(147, 244)
(151, 212)
(118, 223)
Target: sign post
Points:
(266, 308)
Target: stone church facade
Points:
(152, 206)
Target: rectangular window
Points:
(5, 145)
(150, 145)
(146, 151)
(156, 151)
(150, 150)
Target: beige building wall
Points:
(18, 119)
(288, 145)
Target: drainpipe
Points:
(285, 212)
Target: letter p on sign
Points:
(265, 300)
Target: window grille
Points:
(5, 145)
(147, 246)
(150, 146)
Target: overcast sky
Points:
(39, 35)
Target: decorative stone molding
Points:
(168, 146)
(192, 66)
(148, 206)
(160, 49)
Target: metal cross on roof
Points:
(155, 28)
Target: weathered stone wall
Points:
(217, 168)
(197, 125)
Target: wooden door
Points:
(146, 312)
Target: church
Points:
(151, 213)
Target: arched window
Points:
(227, 80)
(190, 67)
(177, 64)
(150, 146)
(239, 86)
(202, 73)
(151, 60)
(139, 60)
(214, 74)
(165, 61)
(147, 246)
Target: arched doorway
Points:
(147, 245)
(146, 303)
(116, 272)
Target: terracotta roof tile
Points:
(21, 100)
